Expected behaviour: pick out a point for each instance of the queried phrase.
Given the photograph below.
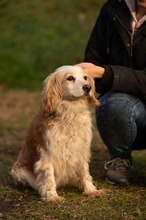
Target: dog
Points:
(57, 148)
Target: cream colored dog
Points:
(57, 149)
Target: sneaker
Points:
(118, 171)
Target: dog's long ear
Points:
(92, 98)
(52, 92)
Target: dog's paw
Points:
(55, 199)
(95, 193)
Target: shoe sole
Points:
(110, 182)
(117, 183)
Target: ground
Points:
(16, 111)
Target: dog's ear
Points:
(52, 92)
(92, 98)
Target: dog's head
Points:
(68, 83)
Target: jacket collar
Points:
(118, 9)
(134, 23)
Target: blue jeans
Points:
(121, 121)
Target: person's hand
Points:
(93, 70)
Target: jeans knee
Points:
(112, 108)
(121, 105)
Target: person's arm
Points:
(119, 78)
(129, 80)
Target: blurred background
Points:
(37, 36)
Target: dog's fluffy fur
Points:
(57, 149)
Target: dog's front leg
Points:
(45, 179)
(86, 180)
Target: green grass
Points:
(38, 36)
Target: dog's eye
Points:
(70, 78)
(85, 77)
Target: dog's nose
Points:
(87, 88)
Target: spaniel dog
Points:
(57, 148)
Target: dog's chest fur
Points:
(68, 141)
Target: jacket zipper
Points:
(131, 45)
(131, 37)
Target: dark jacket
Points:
(113, 46)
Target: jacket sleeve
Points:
(136, 83)
(124, 79)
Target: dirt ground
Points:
(15, 104)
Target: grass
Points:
(127, 203)
(38, 36)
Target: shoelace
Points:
(118, 163)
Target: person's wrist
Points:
(108, 77)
